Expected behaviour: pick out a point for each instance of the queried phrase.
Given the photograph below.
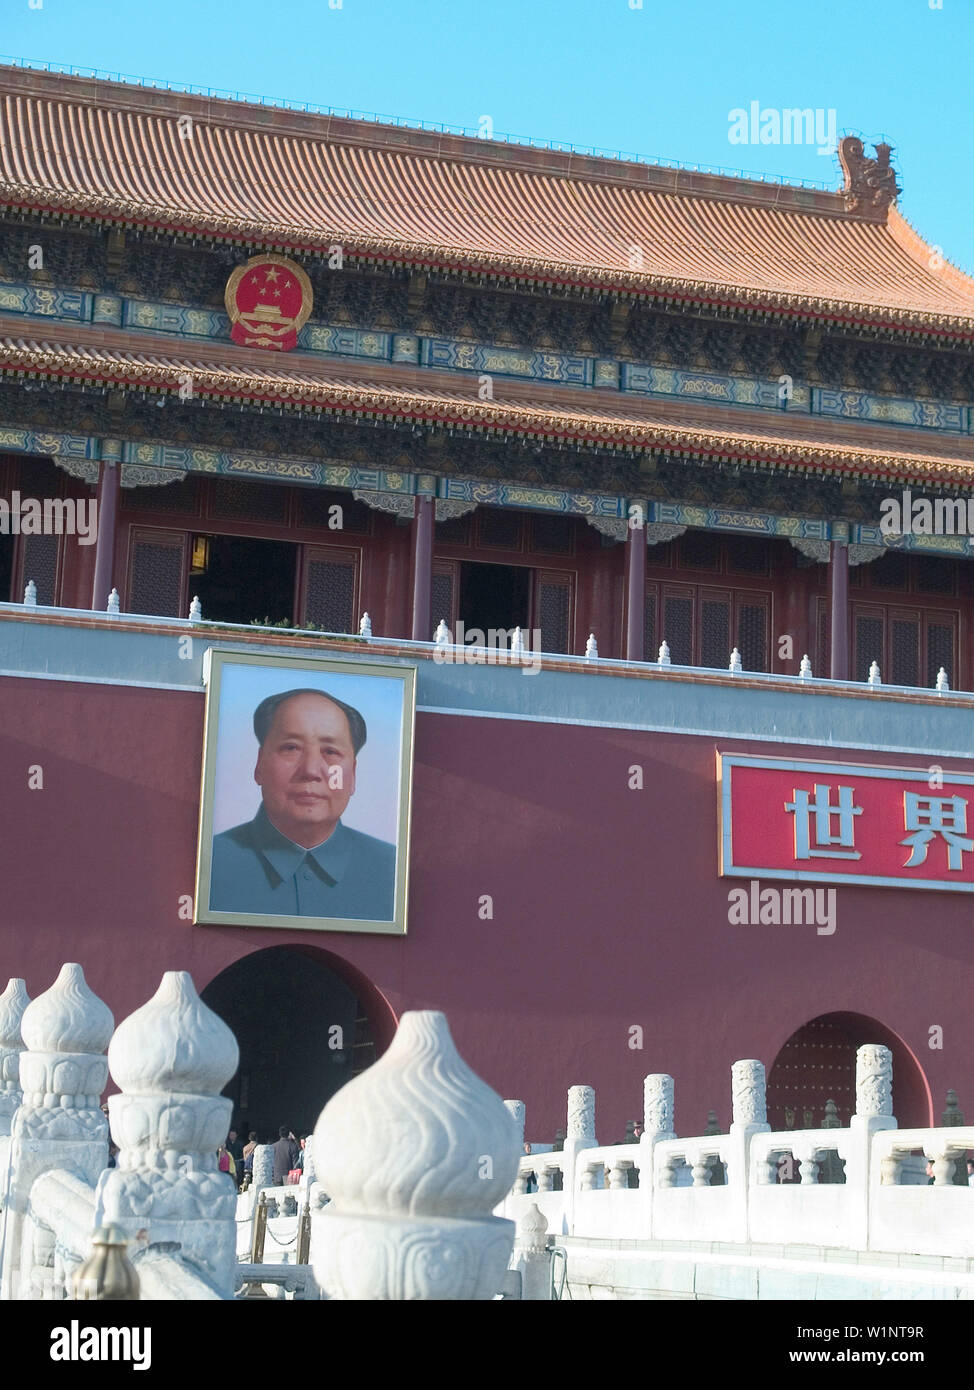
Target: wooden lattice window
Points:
(241, 499)
(677, 625)
(553, 610)
(890, 571)
(157, 573)
(40, 560)
(904, 649)
(748, 555)
(455, 530)
(444, 593)
(868, 637)
(329, 588)
(715, 628)
(650, 628)
(700, 550)
(315, 510)
(823, 639)
(500, 528)
(910, 645)
(752, 631)
(941, 643)
(180, 496)
(552, 535)
(934, 574)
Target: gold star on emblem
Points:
(273, 274)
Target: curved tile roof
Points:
(383, 391)
(270, 177)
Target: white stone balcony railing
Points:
(445, 652)
(540, 1166)
(607, 1169)
(684, 1203)
(190, 1233)
(814, 1213)
(603, 1200)
(938, 1217)
(755, 1187)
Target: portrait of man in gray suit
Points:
(297, 858)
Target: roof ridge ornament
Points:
(870, 184)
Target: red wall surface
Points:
(607, 908)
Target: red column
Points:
(839, 601)
(791, 610)
(635, 593)
(105, 544)
(422, 568)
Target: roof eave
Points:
(944, 328)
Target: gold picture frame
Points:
(245, 856)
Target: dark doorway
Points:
(302, 1031)
(494, 596)
(244, 580)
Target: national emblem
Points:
(268, 300)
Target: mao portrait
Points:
(305, 798)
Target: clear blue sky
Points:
(658, 80)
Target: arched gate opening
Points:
(306, 1023)
(818, 1064)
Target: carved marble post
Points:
(874, 1112)
(415, 1154)
(171, 1059)
(532, 1256)
(658, 1097)
(748, 1093)
(874, 1081)
(13, 1002)
(657, 1108)
(581, 1117)
(580, 1135)
(263, 1168)
(59, 1123)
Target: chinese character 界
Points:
(803, 810)
(930, 816)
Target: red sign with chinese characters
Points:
(843, 823)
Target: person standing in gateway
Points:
(296, 858)
(285, 1155)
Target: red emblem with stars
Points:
(268, 300)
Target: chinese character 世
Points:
(823, 811)
(930, 816)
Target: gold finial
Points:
(108, 1274)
